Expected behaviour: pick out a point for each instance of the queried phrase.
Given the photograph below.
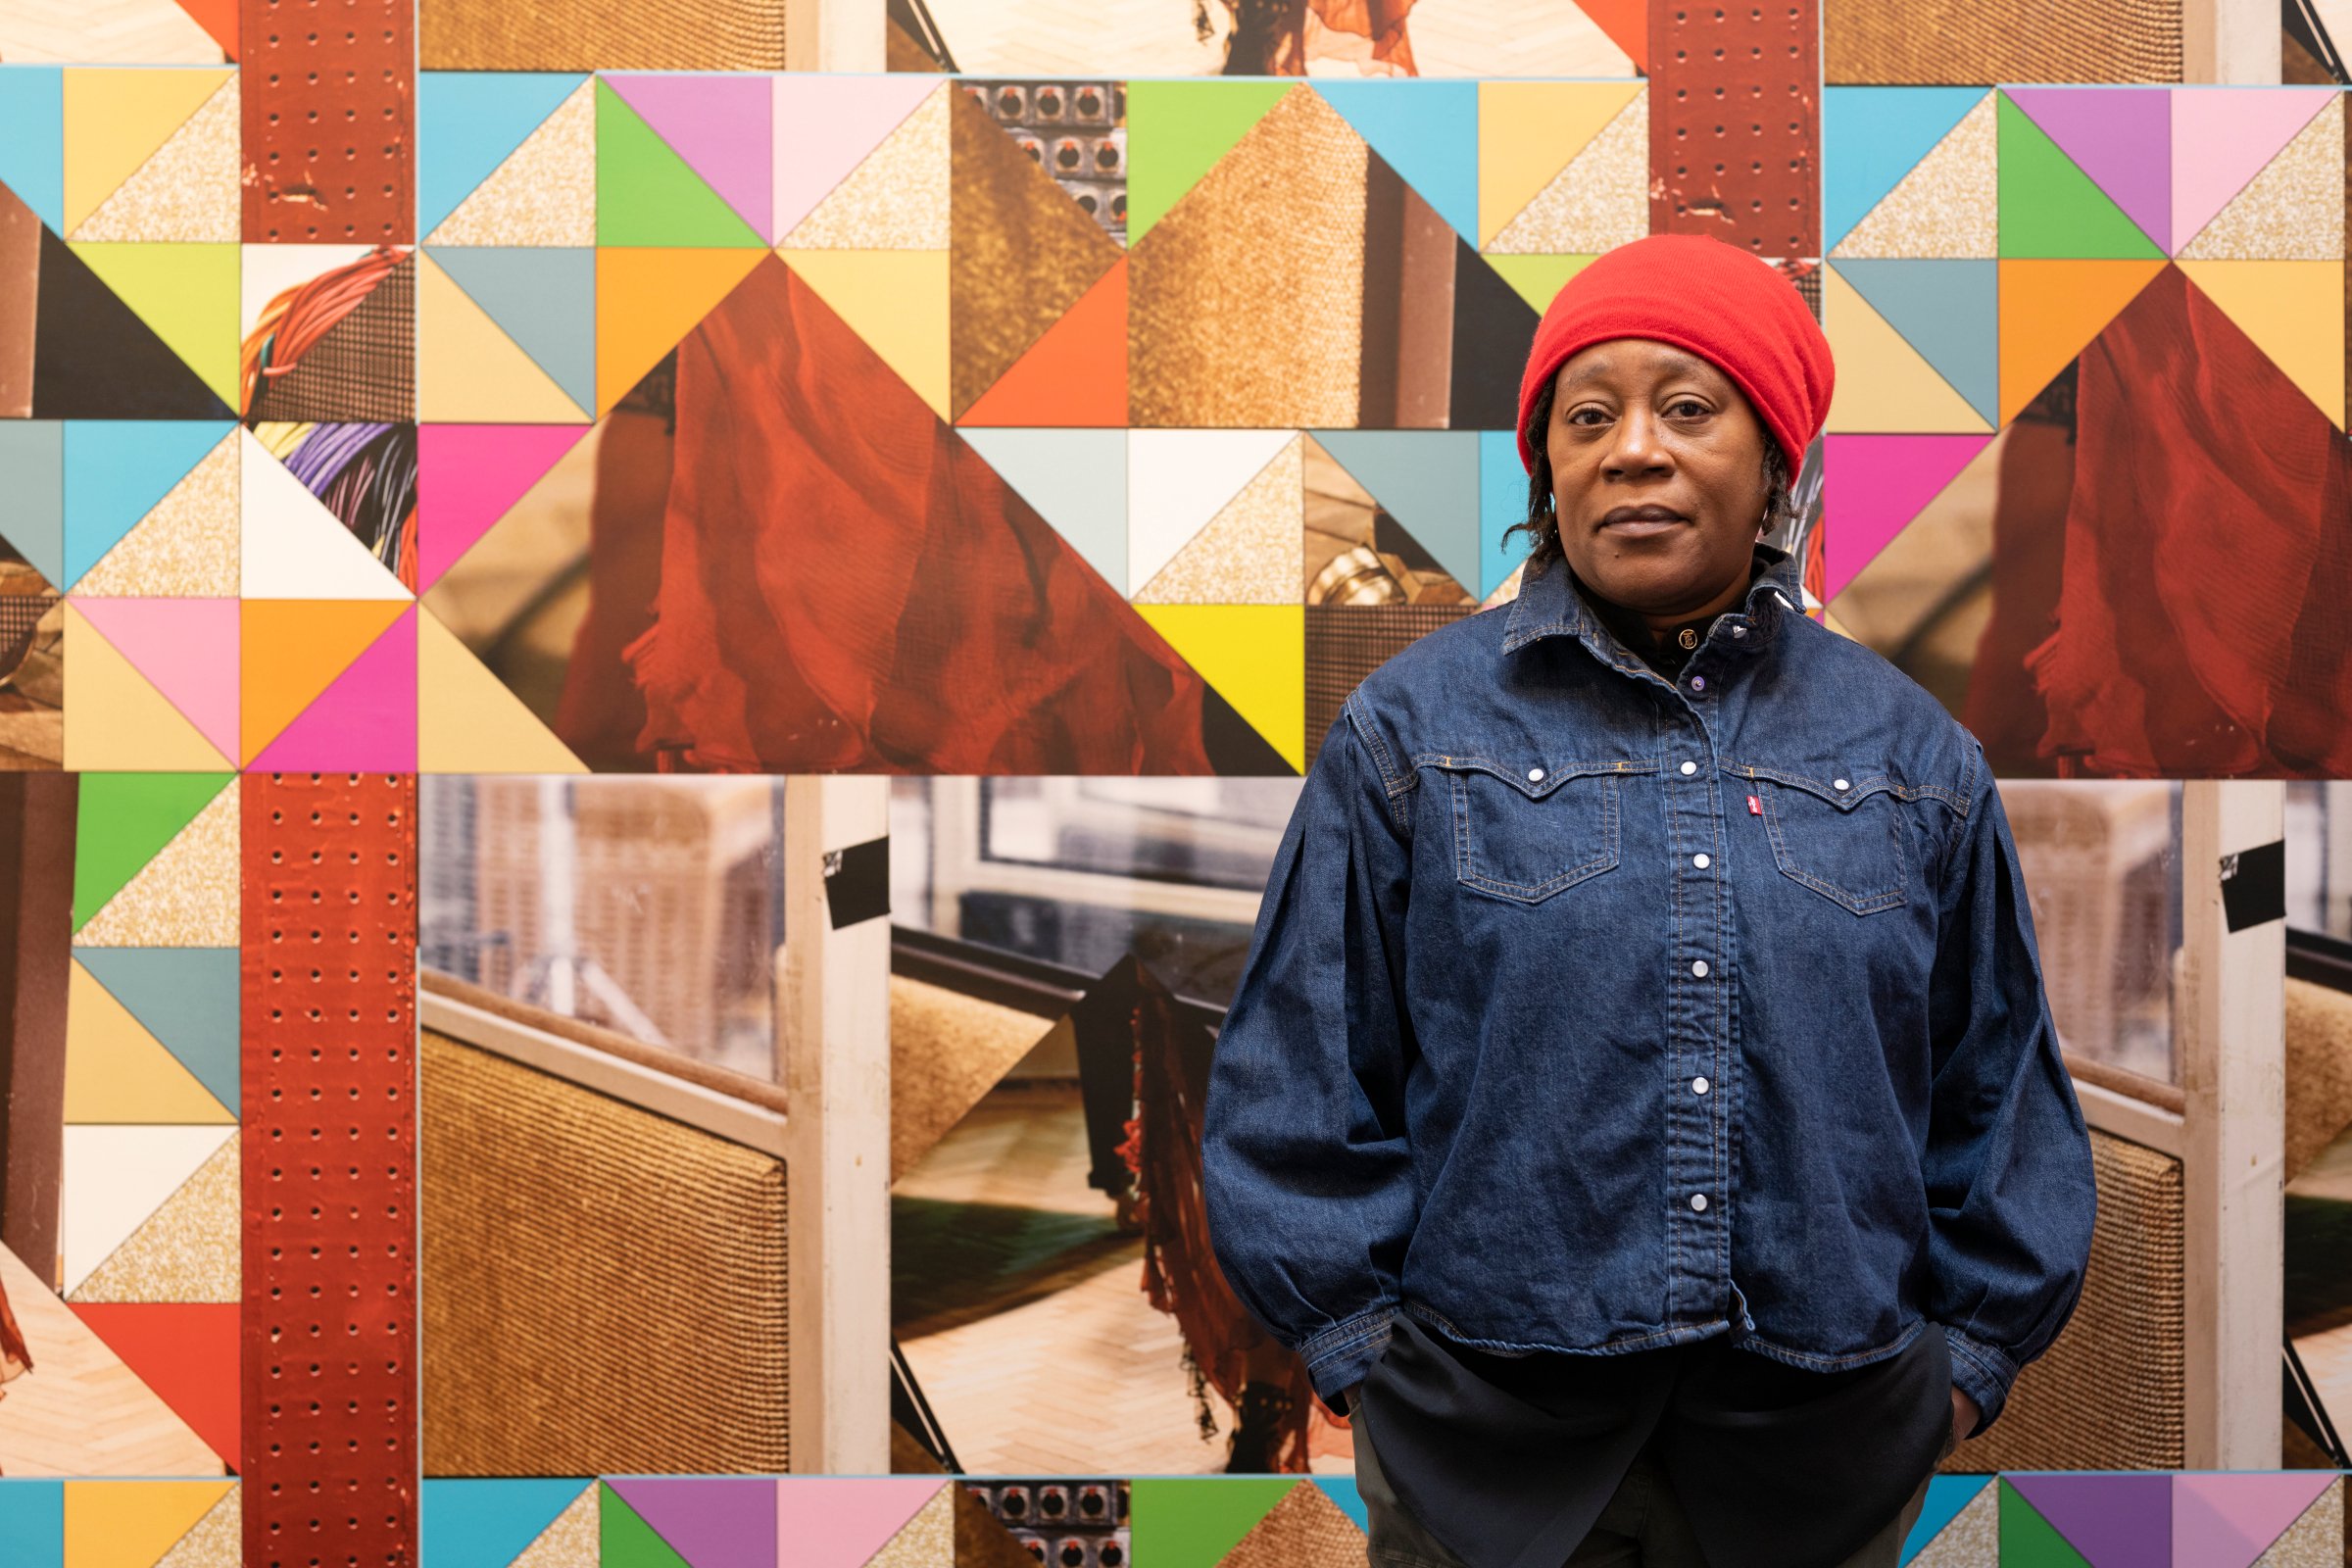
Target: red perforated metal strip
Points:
(1734, 123)
(331, 1137)
(329, 92)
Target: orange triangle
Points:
(648, 299)
(186, 1355)
(293, 650)
(1627, 22)
(2051, 309)
(1074, 375)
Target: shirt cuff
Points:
(1339, 1357)
(1983, 1373)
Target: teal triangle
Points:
(545, 298)
(32, 1520)
(117, 471)
(1948, 309)
(187, 997)
(486, 1524)
(1342, 1489)
(1426, 130)
(1501, 505)
(1946, 1496)
(471, 122)
(32, 139)
(1425, 479)
(1870, 137)
(32, 476)
(1076, 479)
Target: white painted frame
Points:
(836, 35)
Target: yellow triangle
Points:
(894, 299)
(2293, 311)
(469, 371)
(115, 1071)
(130, 1524)
(1528, 131)
(1537, 278)
(1254, 656)
(188, 190)
(116, 120)
(469, 723)
(1884, 385)
(186, 294)
(116, 722)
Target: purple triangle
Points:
(2121, 137)
(711, 1523)
(721, 126)
(2114, 1521)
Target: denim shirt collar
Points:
(1550, 603)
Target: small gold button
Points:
(1688, 637)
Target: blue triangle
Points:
(545, 298)
(1948, 309)
(1342, 1489)
(117, 471)
(32, 476)
(1426, 130)
(32, 139)
(1076, 479)
(486, 1524)
(187, 997)
(1870, 137)
(468, 124)
(1946, 1496)
(1501, 505)
(1422, 477)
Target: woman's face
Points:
(1657, 473)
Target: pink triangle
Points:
(720, 124)
(467, 476)
(841, 1522)
(2119, 136)
(825, 126)
(2222, 136)
(1873, 485)
(2228, 1520)
(186, 648)
(365, 721)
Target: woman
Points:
(1640, 1108)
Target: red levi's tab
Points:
(1755, 807)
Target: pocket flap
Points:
(1552, 775)
(1858, 786)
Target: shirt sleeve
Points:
(1308, 1174)
(2010, 1188)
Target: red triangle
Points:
(1627, 22)
(1076, 374)
(187, 1356)
(217, 18)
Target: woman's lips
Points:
(1644, 528)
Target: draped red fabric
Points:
(2203, 626)
(847, 586)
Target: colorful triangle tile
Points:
(1347, 1498)
(626, 1540)
(191, 1248)
(1870, 137)
(2293, 311)
(1627, 25)
(1948, 311)
(1076, 480)
(1528, 131)
(117, 471)
(543, 298)
(1948, 205)
(96, 356)
(487, 1524)
(1536, 279)
(188, 647)
(467, 476)
(896, 199)
(32, 139)
(1420, 476)
(896, 301)
(1254, 656)
(188, 190)
(1252, 551)
(115, 1178)
(2025, 1537)
(186, 998)
(219, 19)
(2114, 1521)
(570, 1539)
(1075, 374)
(115, 120)
(1177, 480)
(32, 1513)
(2049, 207)
(118, 722)
(118, 1073)
(32, 476)
(216, 1539)
(1176, 131)
(1502, 487)
(186, 294)
(187, 546)
(186, 895)
(295, 650)
(1598, 202)
(1192, 1522)
(469, 722)
(720, 124)
(713, 1522)
(825, 126)
(2051, 309)
(1884, 383)
(646, 300)
(834, 1522)
(1946, 1496)
(2222, 1520)
(125, 820)
(365, 720)
(646, 194)
(1874, 485)
(2293, 210)
(130, 1524)
(292, 547)
(187, 1355)
(469, 371)
(2312, 1535)
(1424, 129)
(2221, 137)
(543, 192)
(2121, 137)
(471, 122)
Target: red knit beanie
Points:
(1712, 298)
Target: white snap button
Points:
(1739, 631)
(1698, 1200)
(1699, 683)
(1701, 861)
(1838, 784)
(1698, 968)
(1533, 773)
(1698, 1086)
(1690, 768)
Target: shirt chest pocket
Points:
(1526, 830)
(1840, 836)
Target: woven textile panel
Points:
(600, 35)
(1940, 41)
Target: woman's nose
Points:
(1637, 447)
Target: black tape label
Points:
(2254, 885)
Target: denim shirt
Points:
(1592, 1011)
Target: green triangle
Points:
(624, 1540)
(121, 821)
(1537, 278)
(646, 194)
(1177, 131)
(1194, 1521)
(2049, 207)
(2028, 1540)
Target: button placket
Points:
(1696, 1134)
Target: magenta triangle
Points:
(365, 721)
(2227, 1521)
(467, 476)
(721, 126)
(2121, 137)
(710, 1522)
(1873, 485)
(186, 648)
(837, 1522)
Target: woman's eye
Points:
(1697, 409)
(1578, 416)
